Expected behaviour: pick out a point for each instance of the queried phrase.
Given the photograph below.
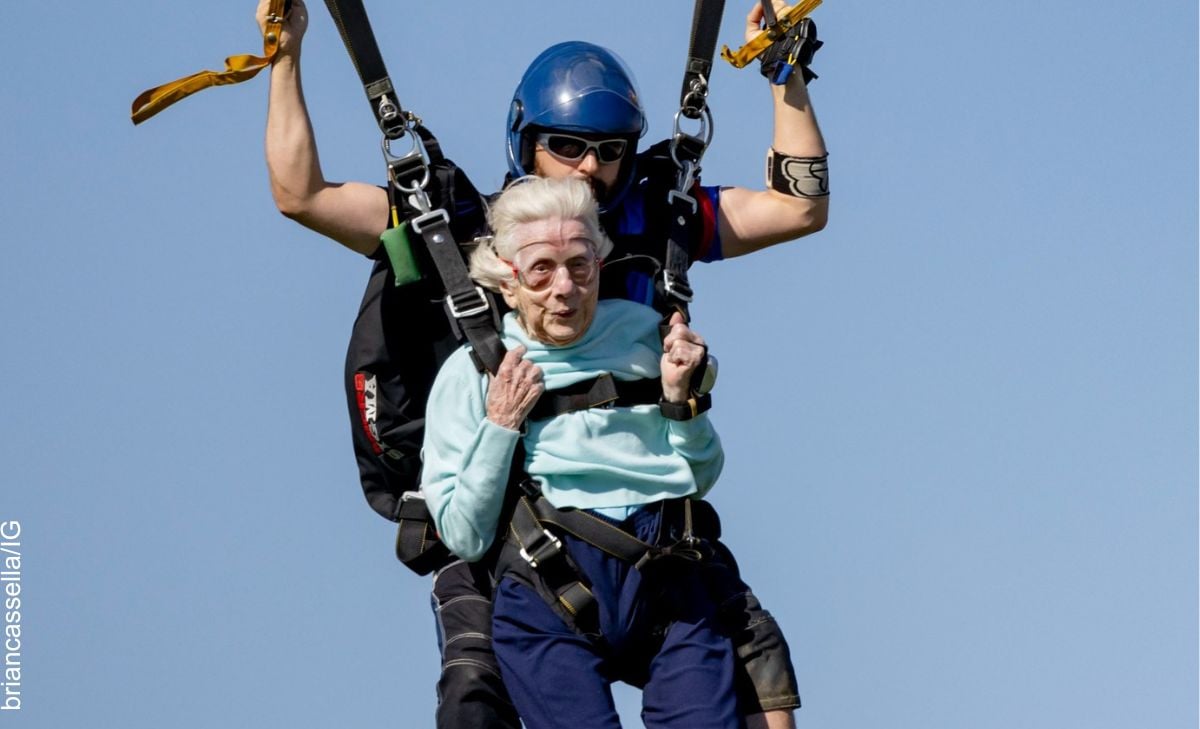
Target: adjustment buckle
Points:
(676, 287)
(683, 197)
(418, 223)
(467, 303)
(545, 548)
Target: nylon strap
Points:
(673, 283)
(706, 24)
(596, 392)
(470, 309)
(417, 542)
(596, 532)
(674, 291)
(534, 553)
(535, 511)
(352, 23)
(237, 69)
(543, 557)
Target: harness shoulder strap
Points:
(471, 311)
(601, 391)
(686, 150)
(352, 23)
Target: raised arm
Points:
(754, 219)
(351, 213)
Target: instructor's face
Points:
(600, 175)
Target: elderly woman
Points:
(616, 466)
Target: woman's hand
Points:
(294, 25)
(683, 352)
(514, 390)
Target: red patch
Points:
(360, 393)
(708, 219)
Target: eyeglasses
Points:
(567, 148)
(538, 275)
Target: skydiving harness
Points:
(532, 552)
(473, 314)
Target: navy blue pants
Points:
(660, 634)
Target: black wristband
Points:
(685, 410)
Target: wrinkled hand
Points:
(513, 390)
(294, 26)
(754, 19)
(683, 352)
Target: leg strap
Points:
(536, 556)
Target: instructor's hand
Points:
(754, 19)
(294, 26)
(513, 390)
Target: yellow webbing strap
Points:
(768, 36)
(237, 69)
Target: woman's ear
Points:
(509, 293)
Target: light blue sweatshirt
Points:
(613, 460)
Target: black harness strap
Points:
(602, 391)
(672, 285)
(706, 24)
(417, 542)
(770, 20)
(537, 556)
(471, 311)
(352, 23)
(542, 563)
(617, 542)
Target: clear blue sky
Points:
(961, 423)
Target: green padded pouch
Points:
(396, 241)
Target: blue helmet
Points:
(575, 87)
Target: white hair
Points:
(529, 200)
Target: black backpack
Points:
(401, 336)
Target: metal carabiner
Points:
(387, 108)
(703, 136)
(695, 101)
(413, 165)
